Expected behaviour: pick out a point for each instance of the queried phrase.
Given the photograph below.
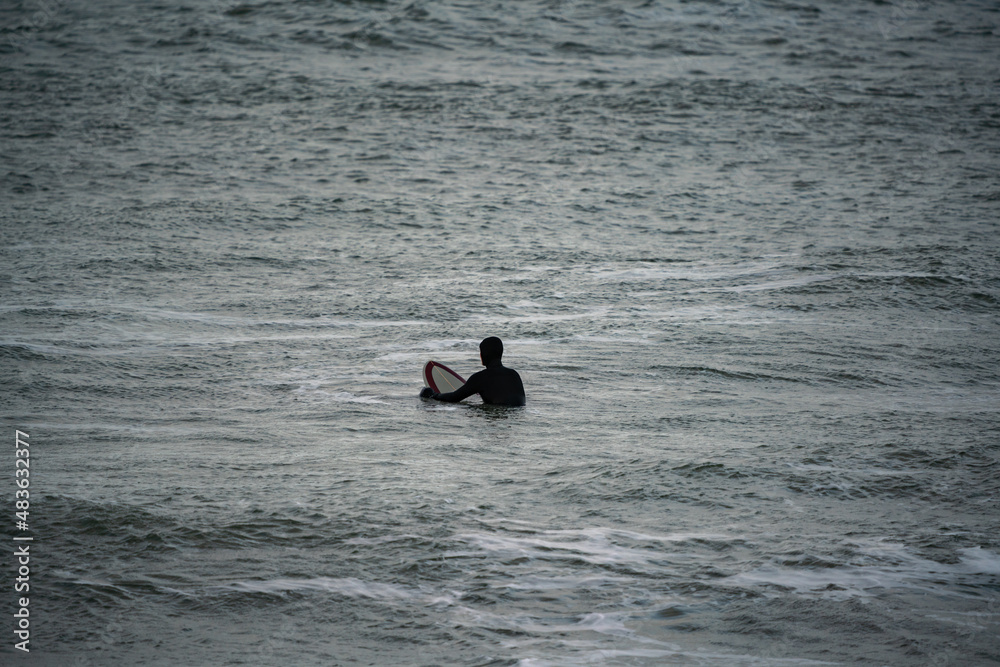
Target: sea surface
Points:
(744, 254)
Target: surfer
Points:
(497, 385)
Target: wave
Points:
(346, 586)
(893, 567)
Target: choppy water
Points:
(744, 255)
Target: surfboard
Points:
(440, 378)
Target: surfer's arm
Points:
(455, 396)
(468, 389)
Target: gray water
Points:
(744, 256)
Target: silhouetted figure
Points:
(497, 385)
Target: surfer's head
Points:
(491, 349)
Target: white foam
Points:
(596, 546)
(348, 397)
(469, 348)
(606, 624)
(159, 341)
(401, 356)
(970, 620)
(614, 640)
(318, 389)
(613, 339)
(385, 539)
(702, 272)
(733, 315)
(864, 472)
(848, 582)
(593, 552)
(526, 304)
(229, 320)
(892, 567)
(603, 656)
(541, 583)
(780, 284)
(603, 532)
(589, 313)
(980, 561)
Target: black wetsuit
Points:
(497, 385)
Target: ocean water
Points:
(744, 254)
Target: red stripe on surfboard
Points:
(429, 380)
